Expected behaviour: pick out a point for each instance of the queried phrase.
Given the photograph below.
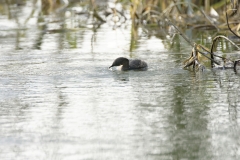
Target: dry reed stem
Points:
(230, 27)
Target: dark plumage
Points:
(129, 64)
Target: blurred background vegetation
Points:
(152, 16)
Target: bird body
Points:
(129, 64)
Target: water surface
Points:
(59, 100)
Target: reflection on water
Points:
(68, 105)
(59, 100)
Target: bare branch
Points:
(230, 27)
(193, 44)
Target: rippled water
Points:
(63, 103)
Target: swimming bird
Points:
(129, 64)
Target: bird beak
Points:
(110, 67)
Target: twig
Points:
(96, 15)
(193, 44)
(229, 26)
(220, 36)
(177, 3)
(213, 44)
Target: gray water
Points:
(59, 100)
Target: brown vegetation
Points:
(163, 17)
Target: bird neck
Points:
(125, 64)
